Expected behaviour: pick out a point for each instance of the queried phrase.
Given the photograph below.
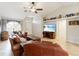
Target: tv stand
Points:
(48, 34)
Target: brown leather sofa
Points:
(43, 49)
(16, 47)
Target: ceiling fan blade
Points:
(25, 10)
(39, 9)
(36, 12)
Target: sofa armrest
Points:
(16, 47)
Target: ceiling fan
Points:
(33, 8)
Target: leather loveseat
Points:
(16, 47)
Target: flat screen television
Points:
(50, 27)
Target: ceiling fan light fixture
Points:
(33, 10)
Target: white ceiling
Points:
(15, 10)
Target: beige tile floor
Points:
(72, 49)
(5, 48)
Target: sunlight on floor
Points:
(5, 48)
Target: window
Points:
(13, 26)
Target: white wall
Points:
(3, 24)
(65, 10)
(50, 22)
(73, 31)
(26, 25)
(61, 29)
(37, 26)
(0, 24)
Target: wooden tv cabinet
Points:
(50, 35)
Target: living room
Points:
(46, 26)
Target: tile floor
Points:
(5, 48)
(72, 49)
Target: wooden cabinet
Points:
(49, 34)
(4, 35)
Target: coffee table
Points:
(34, 38)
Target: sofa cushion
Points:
(43, 49)
(23, 40)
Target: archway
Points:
(13, 26)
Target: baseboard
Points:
(73, 42)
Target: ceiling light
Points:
(33, 9)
